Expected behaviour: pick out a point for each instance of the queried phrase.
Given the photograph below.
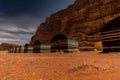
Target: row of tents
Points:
(30, 49)
(110, 37)
(57, 45)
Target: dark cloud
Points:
(18, 29)
(19, 19)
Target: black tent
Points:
(110, 35)
(63, 43)
(40, 46)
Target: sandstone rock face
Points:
(82, 21)
(6, 46)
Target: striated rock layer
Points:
(81, 20)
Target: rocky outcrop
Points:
(82, 21)
(6, 46)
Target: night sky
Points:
(19, 19)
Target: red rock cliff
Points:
(82, 21)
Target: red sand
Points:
(59, 66)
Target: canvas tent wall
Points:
(21, 49)
(28, 48)
(63, 43)
(110, 35)
(40, 46)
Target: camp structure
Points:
(12, 50)
(40, 46)
(63, 43)
(110, 35)
(17, 49)
(59, 43)
(28, 48)
(21, 49)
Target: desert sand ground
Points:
(59, 66)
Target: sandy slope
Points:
(59, 66)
